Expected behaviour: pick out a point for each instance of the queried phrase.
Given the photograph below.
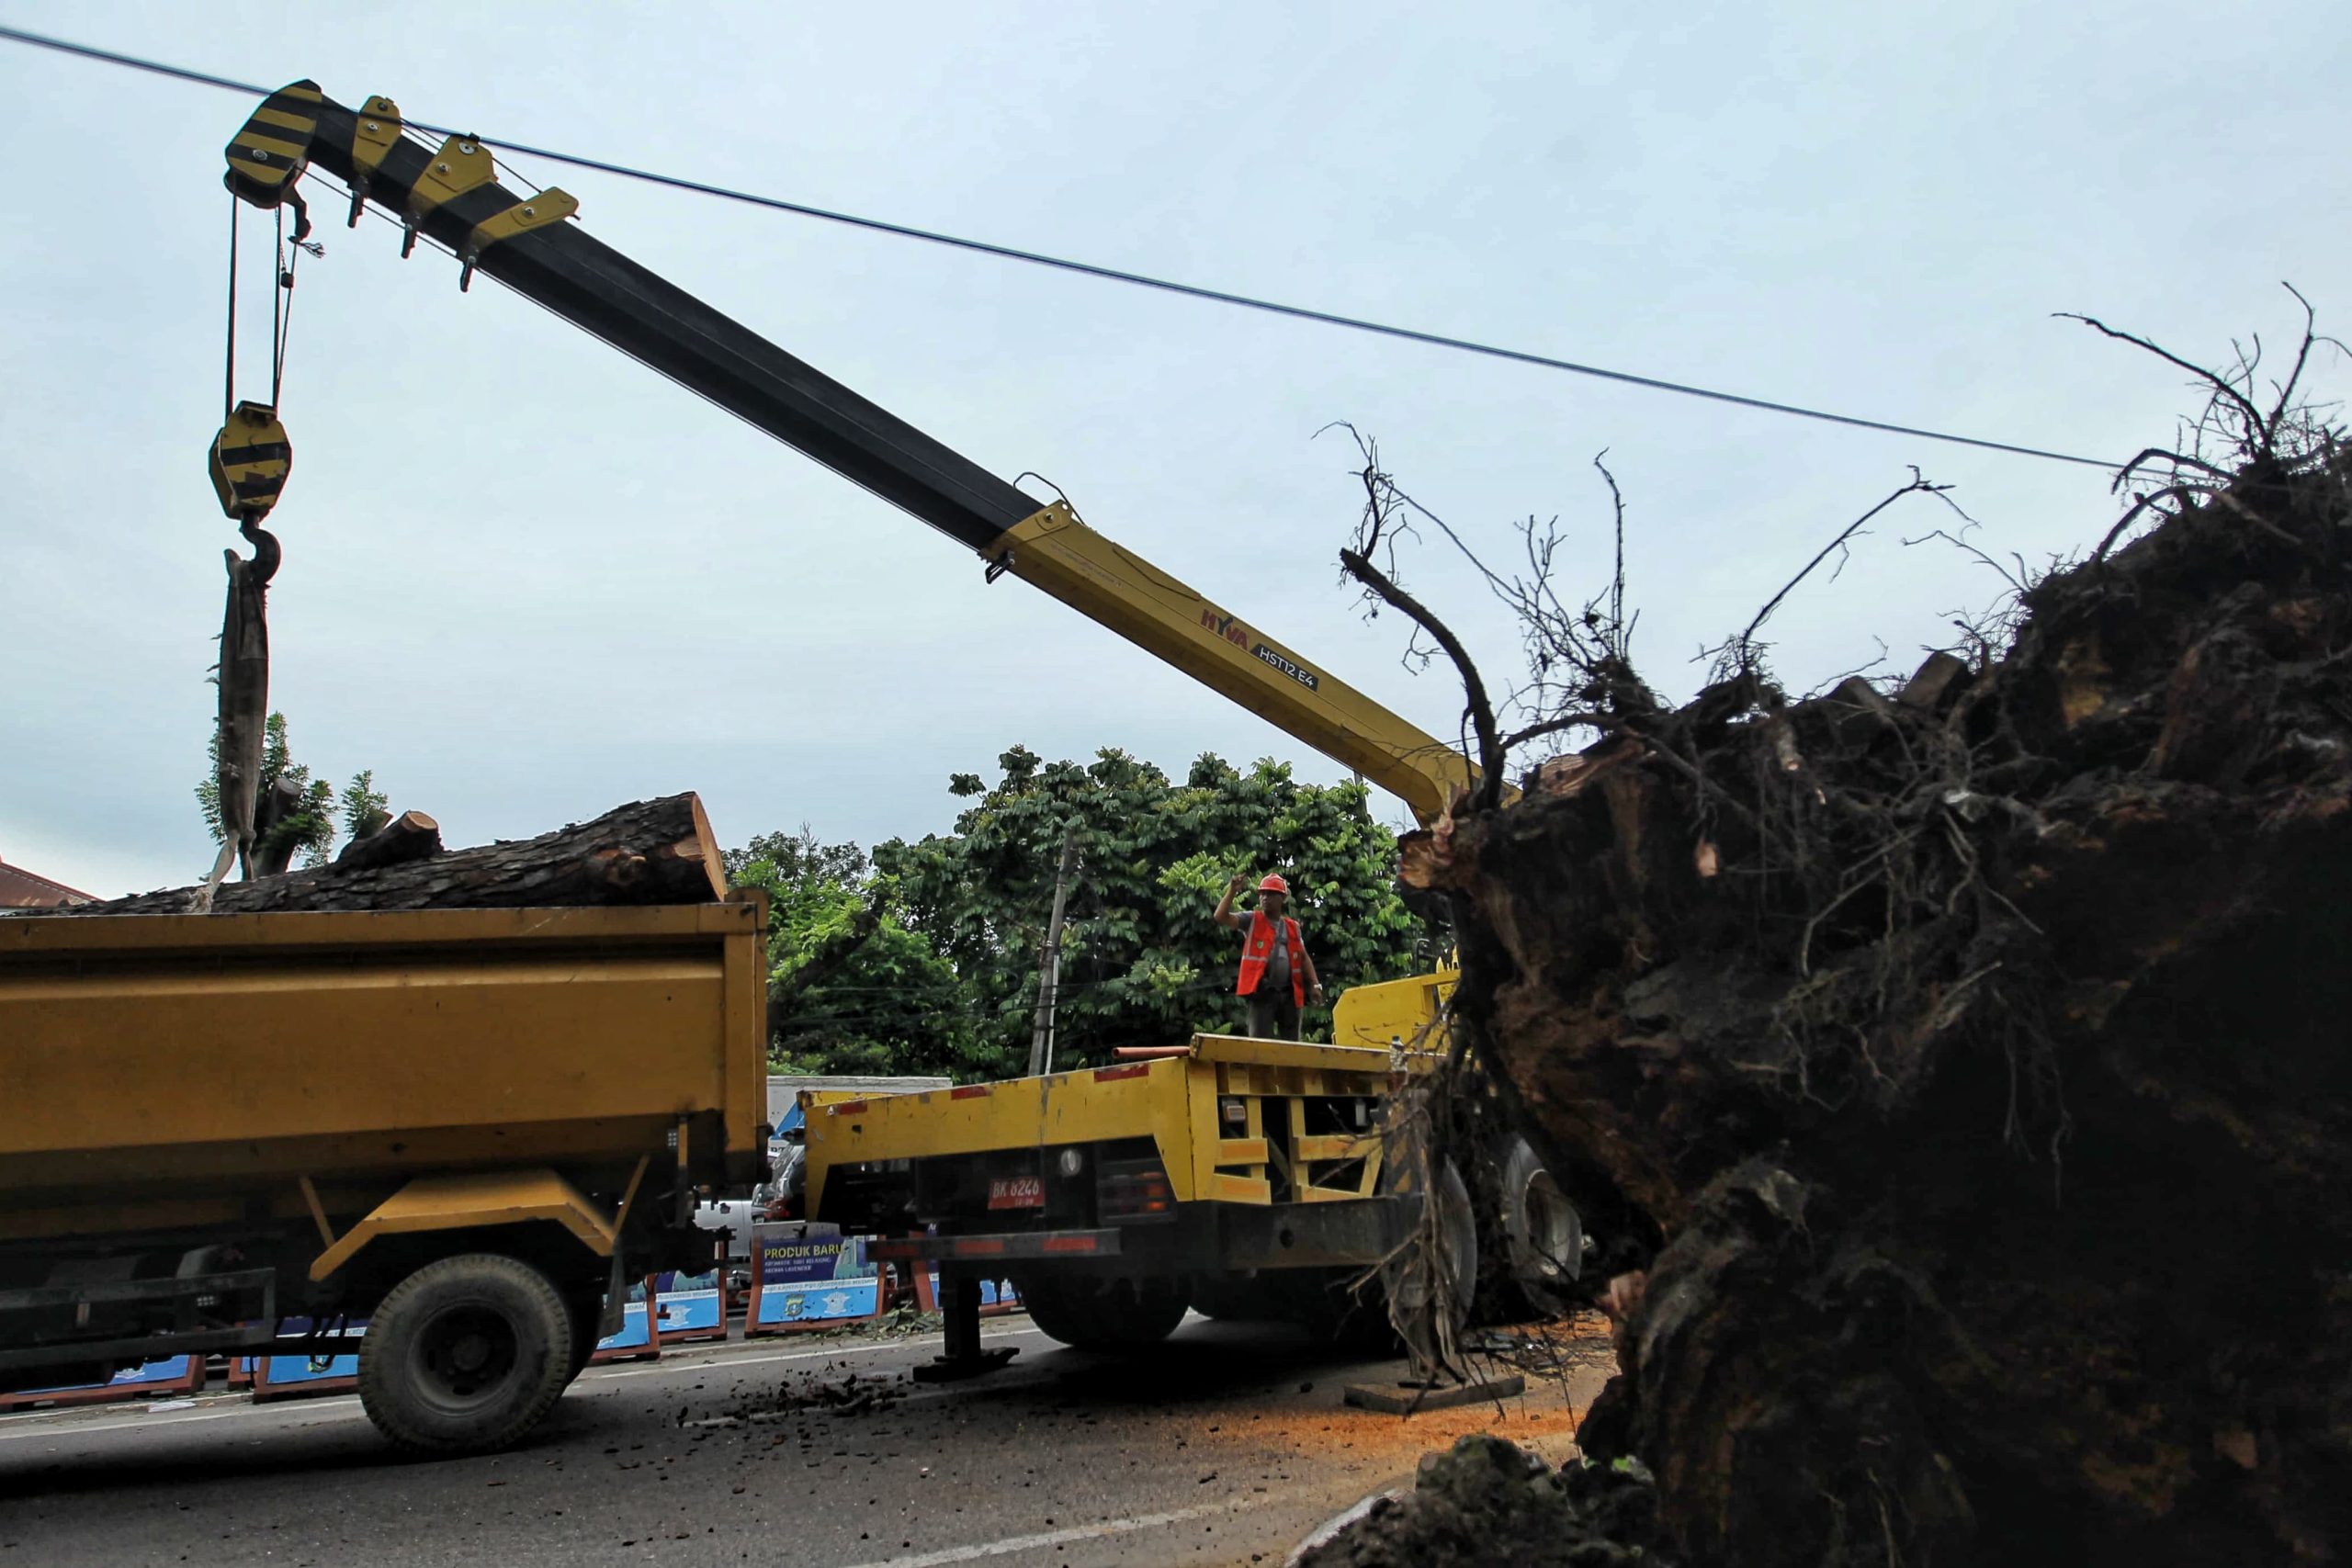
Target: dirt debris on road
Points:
(798, 1392)
(1486, 1501)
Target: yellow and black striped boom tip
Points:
(266, 156)
(250, 460)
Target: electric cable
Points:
(1120, 275)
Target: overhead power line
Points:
(1110, 274)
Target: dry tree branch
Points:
(1619, 635)
(2302, 354)
(1575, 656)
(2154, 498)
(2016, 580)
(1382, 502)
(2222, 388)
(2178, 459)
(1744, 644)
(1554, 724)
(1482, 713)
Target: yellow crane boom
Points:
(1109, 584)
(451, 193)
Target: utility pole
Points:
(1049, 975)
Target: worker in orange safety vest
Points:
(1276, 974)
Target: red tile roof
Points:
(22, 889)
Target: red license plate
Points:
(1017, 1192)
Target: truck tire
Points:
(1409, 1281)
(465, 1354)
(1337, 1305)
(586, 1309)
(1236, 1298)
(1105, 1313)
(1543, 1235)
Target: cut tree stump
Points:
(650, 851)
(411, 836)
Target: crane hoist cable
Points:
(281, 299)
(252, 456)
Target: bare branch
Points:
(1619, 633)
(1745, 641)
(1482, 714)
(2302, 354)
(2255, 422)
(2178, 459)
(1553, 726)
(2170, 492)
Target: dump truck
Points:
(469, 1128)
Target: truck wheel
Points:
(1413, 1282)
(586, 1309)
(1335, 1305)
(465, 1354)
(1543, 1234)
(1100, 1313)
(1234, 1297)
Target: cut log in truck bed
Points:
(650, 851)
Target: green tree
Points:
(363, 808)
(306, 826)
(1142, 961)
(852, 990)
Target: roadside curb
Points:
(1329, 1528)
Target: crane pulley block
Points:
(550, 206)
(250, 460)
(375, 130)
(268, 155)
(463, 164)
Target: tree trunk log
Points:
(281, 800)
(411, 836)
(651, 852)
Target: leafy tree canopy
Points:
(309, 829)
(852, 989)
(1143, 964)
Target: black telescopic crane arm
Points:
(589, 284)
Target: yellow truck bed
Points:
(168, 1070)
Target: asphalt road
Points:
(1227, 1446)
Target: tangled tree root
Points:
(1981, 1048)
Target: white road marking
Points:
(1013, 1544)
(60, 1423)
(312, 1410)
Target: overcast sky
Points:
(526, 579)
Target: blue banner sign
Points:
(176, 1374)
(332, 1365)
(691, 1306)
(636, 1337)
(811, 1281)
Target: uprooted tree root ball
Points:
(1980, 1048)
